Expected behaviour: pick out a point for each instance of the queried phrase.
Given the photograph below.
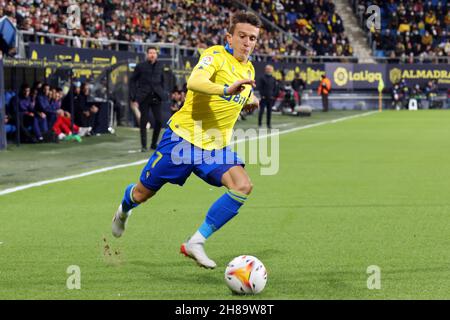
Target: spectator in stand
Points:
(85, 111)
(43, 105)
(177, 101)
(62, 125)
(411, 30)
(431, 92)
(179, 22)
(405, 93)
(29, 117)
(10, 128)
(396, 95)
(417, 94)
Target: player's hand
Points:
(239, 86)
(249, 107)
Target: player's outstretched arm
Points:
(199, 82)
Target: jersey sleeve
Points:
(210, 62)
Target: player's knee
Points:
(244, 187)
(140, 195)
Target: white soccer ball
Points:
(246, 275)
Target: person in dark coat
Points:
(147, 93)
(267, 88)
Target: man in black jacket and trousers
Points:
(267, 88)
(147, 92)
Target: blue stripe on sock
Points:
(223, 210)
(206, 230)
(127, 201)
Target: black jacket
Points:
(267, 86)
(146, 79)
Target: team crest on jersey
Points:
(232, 69)
(249, 74)
(206, 61)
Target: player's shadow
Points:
(196, 274)
(260, 254)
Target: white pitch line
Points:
(125, 165)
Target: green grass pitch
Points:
(368, 191)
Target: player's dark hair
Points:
(152, 48)
(244, 17)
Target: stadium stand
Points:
(188, 23)
(410, 30)
(315, 23)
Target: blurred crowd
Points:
(410, 28)
(314, 23)
(424, 96)
(191, 23)
(44, 113)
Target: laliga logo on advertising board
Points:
(342, 76)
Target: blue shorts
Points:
(175, 159)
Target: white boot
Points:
(197, 252)
(119, 222)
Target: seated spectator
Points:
(62, 127)
(189, 23)
(29, 117)
(417, 94)
(9, 126)
(396, 95)
(85, 111)
(298, 84)
(431, 92)
(44, 105)
(412, 29)
(177, 101)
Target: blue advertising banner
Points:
(310, 73)
(344, 76)
(419, 74)
(350, 76)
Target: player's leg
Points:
(134, 195)
(223, 210)
(157, 115)
(159, 170)
(261, 112)
(269, 113)
(144, 110)
(239, 186)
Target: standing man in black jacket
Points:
(147, 92)
(267, 88)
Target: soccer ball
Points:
(246, 275)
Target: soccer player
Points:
(220, 85)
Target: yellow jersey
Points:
(207, 121)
